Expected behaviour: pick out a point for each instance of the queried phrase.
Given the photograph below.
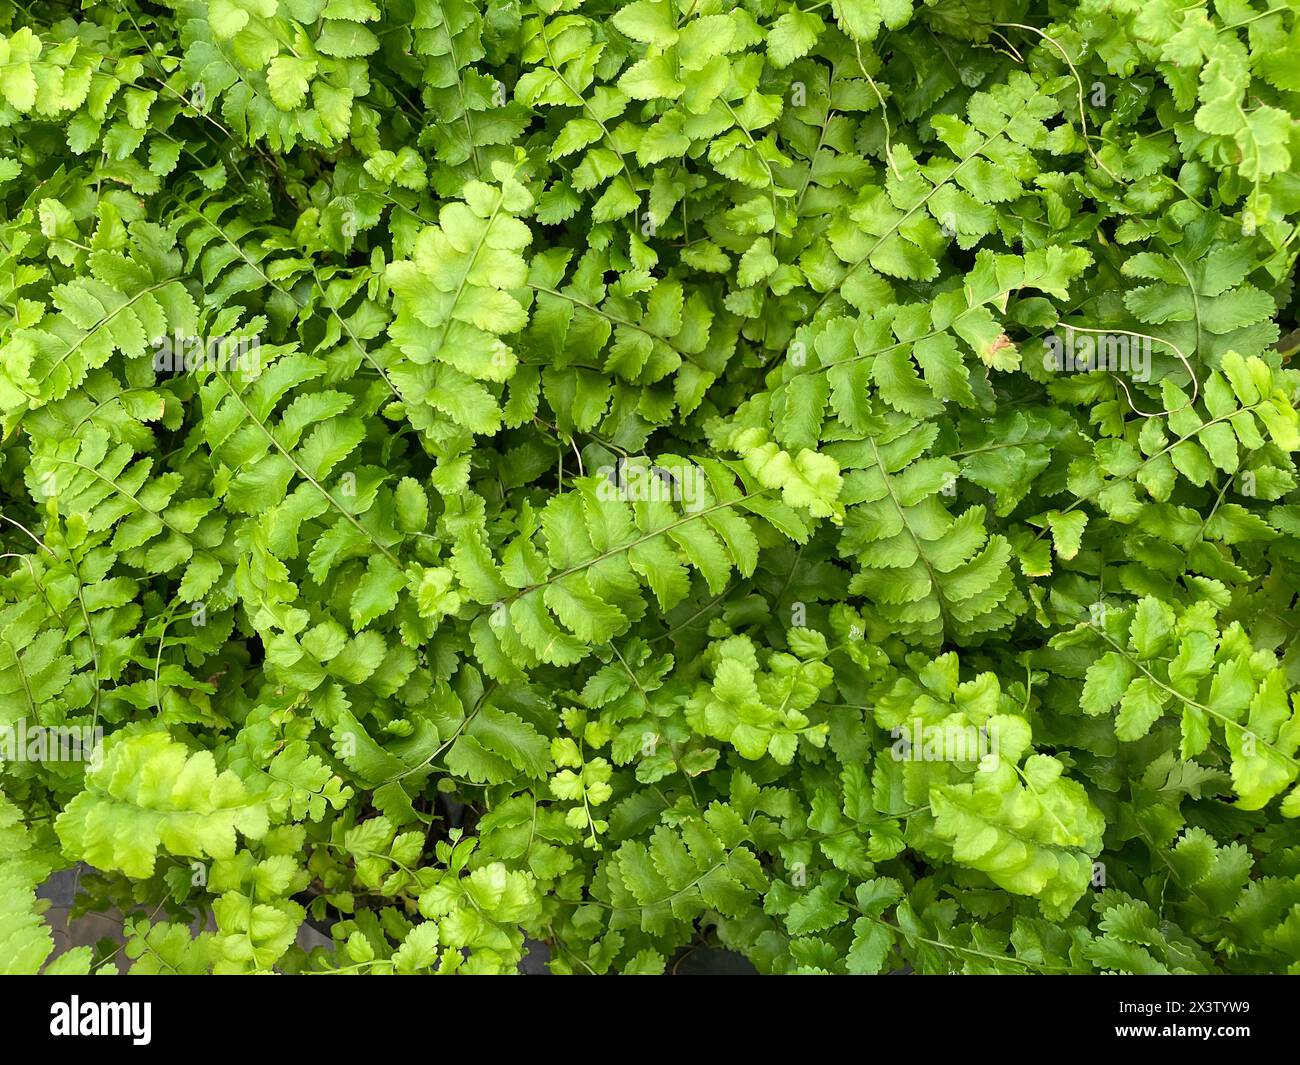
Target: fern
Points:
(606, 472)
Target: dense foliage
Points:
(608, 472)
